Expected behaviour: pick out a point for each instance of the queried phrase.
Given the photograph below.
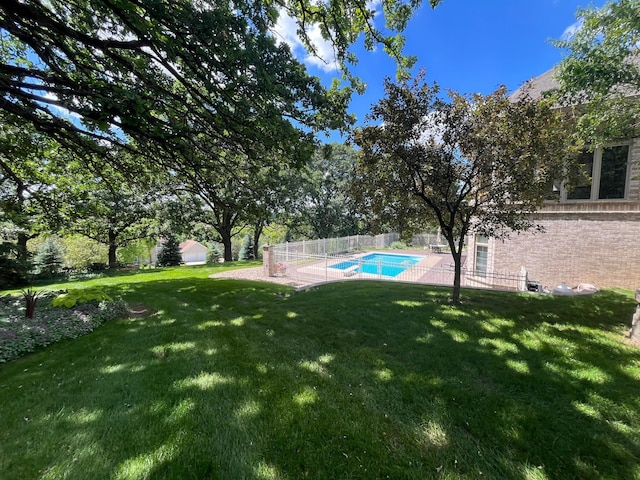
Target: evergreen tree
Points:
(13, 269)
(169, 255)
(214, 254)
(50, 257)
(246, 250)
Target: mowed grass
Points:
(361, 380)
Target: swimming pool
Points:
(386, 264)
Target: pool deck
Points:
(435, 265)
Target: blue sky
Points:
(470, 46)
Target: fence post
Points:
(268, 264)
(326, 267)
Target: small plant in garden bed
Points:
(30, 298)
(49, 324)
(71, 298)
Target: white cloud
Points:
(572, 29)
(374, 5)
(286, 30)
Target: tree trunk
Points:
(22, 246)
(456, 253)
(457, 276)
(256, 238)
(634, 333)
(226, 242)
(113, 247)
(113, 263)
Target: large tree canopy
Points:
(96, 201)
(324, 206)
(162, 72)
(158, 72)
(27, 163)
(479, 162)
(602, 71)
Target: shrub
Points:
(213, 254)
(82, 252)
(19, 336)
(97, 267)
(398, 245)
(30, 298)
(71, 298)
(137, 251)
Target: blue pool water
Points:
(385, 264)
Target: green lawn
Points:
(359, 380)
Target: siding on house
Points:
(584, 241)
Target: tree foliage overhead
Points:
(602, 70)
(163, 72)
(342, 22)
(477, 162)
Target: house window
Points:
(604, 175)
(482, 255)
(582, 187)
(613, 173)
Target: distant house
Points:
(592, 234)
(191, 251)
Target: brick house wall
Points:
(585, 241)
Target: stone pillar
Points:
(268, 262)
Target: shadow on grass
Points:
(234, 379)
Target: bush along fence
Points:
(355, 258)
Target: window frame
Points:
(597, 175)
(481, 241)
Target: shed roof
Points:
(191, 244)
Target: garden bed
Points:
(20, 335)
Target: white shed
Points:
(193, 252)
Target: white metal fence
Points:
(343, 258)
(332, 246)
